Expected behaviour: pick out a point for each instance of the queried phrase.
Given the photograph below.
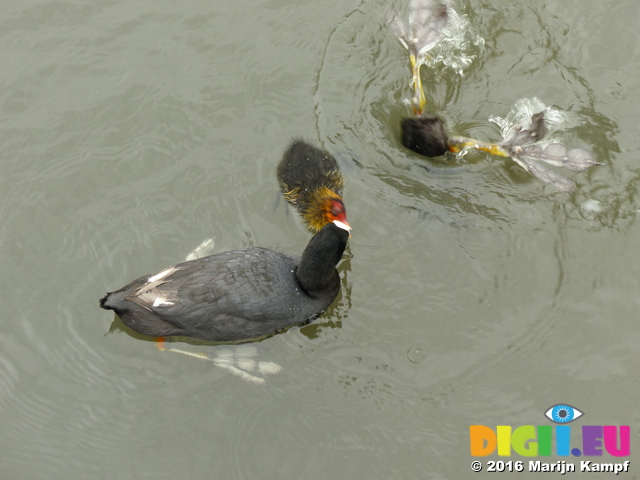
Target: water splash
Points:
(523, 109)
(435, 38)
(459, 46)
(525, 132)
(419, 33)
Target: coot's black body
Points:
(425, 135)
(310, 179)
(237, 295)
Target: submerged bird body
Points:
(425, 135)
(234, 296)
(311, 181)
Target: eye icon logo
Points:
(562, 413)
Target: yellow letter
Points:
(504, 440)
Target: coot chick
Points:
(311, 181)
(237, 295)
(425, 135)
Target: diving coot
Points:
(238, 295)
(425, 135)
(311, 181)
(424, 28)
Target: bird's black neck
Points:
(316, 272)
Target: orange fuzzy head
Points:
(325, 207)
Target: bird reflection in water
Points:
(239, 360)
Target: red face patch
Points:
(338, 211)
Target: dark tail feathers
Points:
(103, 302)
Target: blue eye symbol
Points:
(562, 413)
